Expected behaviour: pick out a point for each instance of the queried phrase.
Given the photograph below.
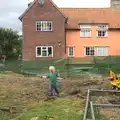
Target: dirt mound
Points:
(37, 88)
(21, 91)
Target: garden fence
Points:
(69, 67)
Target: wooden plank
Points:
(92, 111)
(86, 106)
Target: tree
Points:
(10, 43)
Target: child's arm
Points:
(44, 77)
(58, 76)
(47, 76)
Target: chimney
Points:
(29, 4)
(115, 4)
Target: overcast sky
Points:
(10, 10)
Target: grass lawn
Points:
(59, 109)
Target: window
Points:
(70, 51)
(89, 51)
(44, 51)
(43, 25)
(102, 26)
(102, 30)
(85, 26)
(85, 33)
(101, 33)
(102, 51)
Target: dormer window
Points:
(85, 26)
(85, 30)
(102, 31)
(102, 26)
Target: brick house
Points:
(51, 32)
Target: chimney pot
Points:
(115, 4)
(29, 4)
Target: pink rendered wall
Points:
(112, 41)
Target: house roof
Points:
(78, 16)
(35, 2)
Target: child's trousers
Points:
(52, 89)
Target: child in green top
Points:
(53, 81)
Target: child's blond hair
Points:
(52, 68)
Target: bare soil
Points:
(20, 91)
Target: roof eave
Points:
(114, 28)
(58, 9)
(74, 28)
(20, 18)
(92, 23)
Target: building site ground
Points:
(24, 97)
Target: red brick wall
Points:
(32, 38)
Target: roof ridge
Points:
(84, 8)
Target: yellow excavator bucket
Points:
(115, 80)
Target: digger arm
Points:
(113, 75)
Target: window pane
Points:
(70, 51)
(44, 25)
(87, 50)
(44, 48)
(85, 33)
(38, 25)
(49, 25)
(44, 53)
(49, 51)
(102, 51)
(102, 33)
(90, 51)
(39, 51)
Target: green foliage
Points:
(10, 43)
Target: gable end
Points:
(30, 6)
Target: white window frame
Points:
(43, 29)
(103, 53)
(102, 27)
(69, 51)
(41, 51)
(85, 26)
(88, 47)
(102, 36)
(81, 34)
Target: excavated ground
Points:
(18, 91)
